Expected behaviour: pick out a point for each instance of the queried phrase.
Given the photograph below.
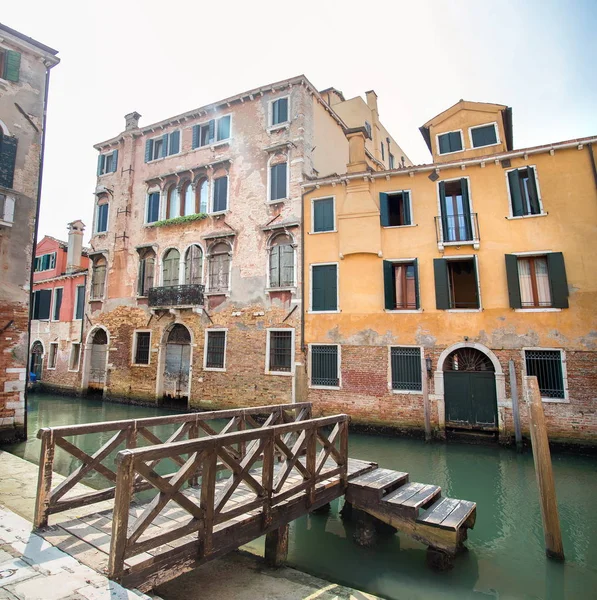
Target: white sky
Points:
(163, 58)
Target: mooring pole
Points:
(515, 409)
(543, 470)
(426, 409)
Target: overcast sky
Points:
(163, 58)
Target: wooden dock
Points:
(266, 467)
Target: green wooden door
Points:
(470, 399)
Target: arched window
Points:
(468, 359)
(281, 262)
(146, 271)
(173, 203)
(218, 262)
(201, 196)
(170, 268)
(98, 278)
(188, 195)
(193, 265)
(35, 367)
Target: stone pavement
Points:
(32, 569)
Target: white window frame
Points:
(96, 220)
(310, 363)
(268, 371)
(55, 356)
(323, 312)
(475, 241)
(542, 212)
(70, 357)
(410, 205)
(497, 135)
(534, 254)
(312, 228)
(269, 181)
(134, 347)
(76, 302)
(212, 195)
(423, 368)
(216, 141)
(207, 256)
(406, 311)
(8, 216)
(146, 218)
(205, 345)
(50, 268)
(52, 319)
(270, 116)
(476, 261)
(106, 154)
(437, 135)
(294, 245)
(566, 398)
(158, 137)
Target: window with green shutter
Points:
(450, 142)
(279, 111)
(395, 209)
(323, 215)
(42, 299)
(324, 366)
(486, 135)
(324, 288)
(456, 285)
(281, 262)
(278, 182)
(8, 157)
(401, 285)
(174, 142)
(223, 129)
(524, 192)
(406, 368)
(220, 202)
(10, 65)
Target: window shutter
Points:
(533, 193)
(513, 280)
(444, 143)
(174, 146)
(212, 130)
(442, 290)
(141, 278)
(114, 161)
(282, 110)
(9, 210)
(220, 194)
(273, 184)
(406, 203)
(80, 301)
(466, 207)
(164, 145)
(331, 288)
(444, 212)
(557, 279)
(417, 300)
(8, 155)
(12, 66)
(384, 210)
(286, 265)
(57, 304)
(274, 267)
(148, 150)
(45, 299)
(389, 285)
(455, 141)
(515, 194)
(324, 287)
(101, 160)
(196, 136)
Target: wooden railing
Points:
(273, 492)
(130, 432)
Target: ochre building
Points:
(24, 77)
(440, 285)
(195, 286)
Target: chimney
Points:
(357, 160)
(75, 245)
(372, 100)
(132, 120)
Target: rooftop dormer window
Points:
(484, 135)
(449, 142)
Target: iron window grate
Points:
(142, 349)
(546, 365)
(216, 344)
(324, 366)
(280, 351)
(406, 369)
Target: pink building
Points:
(58, 299)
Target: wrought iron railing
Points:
(457, 228)
(176, 295)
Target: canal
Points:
(506, 557)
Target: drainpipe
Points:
(592, 155)
(35, 229)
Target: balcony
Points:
(176, 296)
(457, 230)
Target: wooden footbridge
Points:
(237, 475)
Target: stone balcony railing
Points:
(176, 296)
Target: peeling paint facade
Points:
(24, 76)
(459, 283)
(194, 295)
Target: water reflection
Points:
(506, 551)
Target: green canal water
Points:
(505, 559)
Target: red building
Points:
(58, 301)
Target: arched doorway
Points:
(470, 390)
(36, 361)
(177, 366)
(97, 362)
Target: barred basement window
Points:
(406, 369)
(142, 346)
(216, 349)
(324, 366)
(280, 351)
(546, 365)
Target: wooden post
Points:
(543, 470)
(515, 410)
(267, 478)
(310, 461)
(44, 480)
(276, 546)
(207, 499)
(125, 476)
(426, 408)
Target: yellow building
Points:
(425, 285)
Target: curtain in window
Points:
(201, 192)
(170, 268)
(526, 284)
(542, 277)
(173, 203)
(189, 200)
(193, 265)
